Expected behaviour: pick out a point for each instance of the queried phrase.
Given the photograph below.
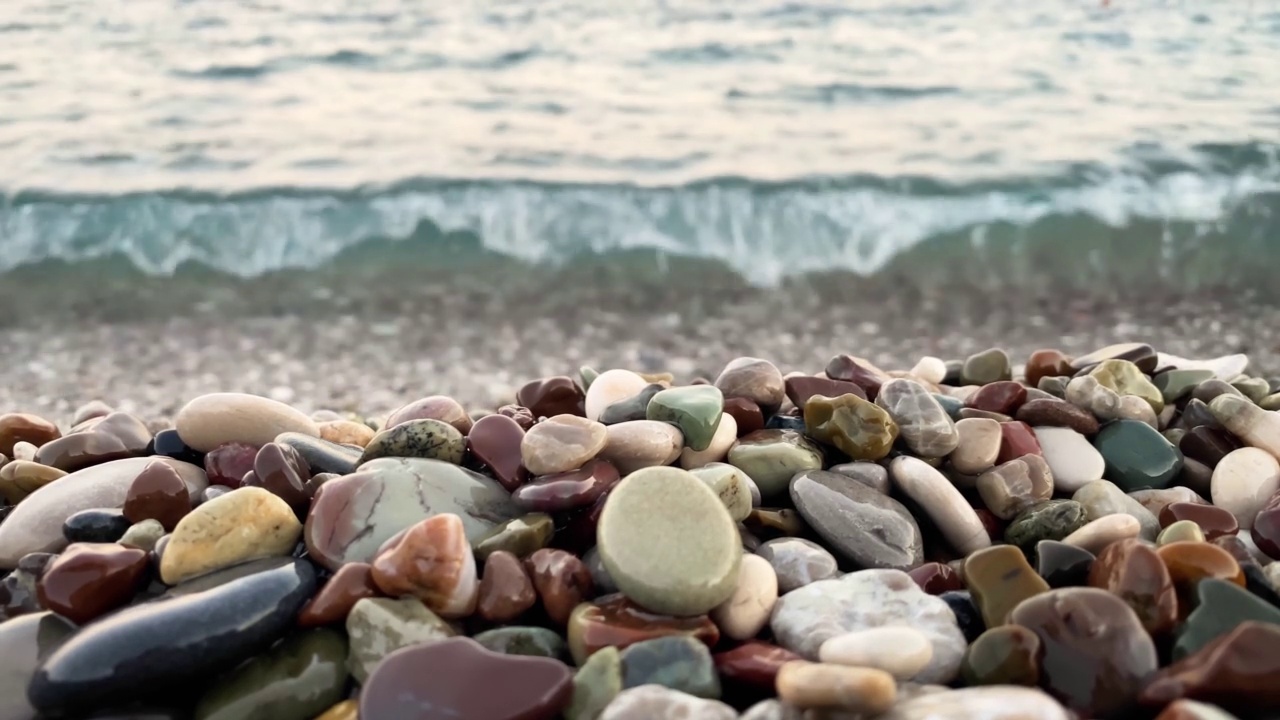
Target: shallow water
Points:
(777, 137)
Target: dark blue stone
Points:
(967, 615)
(168, 444)
(785, 422)
(151, 650)
(95, 526)
(323, 456)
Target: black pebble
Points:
(785, 422)
(100, 526)
(1062, 565)
(967, 615)
(168, 444)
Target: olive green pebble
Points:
(1049, 520)
(296, 680)
(1174, 384)
(986, 367)
(695, 409)
(596, 684)
(423, 438)
(1182, 530)
(524, 640)
(588, 375)
(522, 536)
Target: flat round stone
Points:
(668, 542)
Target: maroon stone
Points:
(936, 578)
(859, 372)
(352, 583)
(753, 663)
(495, 442)
(114, 437)
(158, 493)
(1002, 396)
(506, 592)
(1016, 440)
(1046, 363)
(228, 463)
(748, 415)
(456, 679)
(552, 396)
(1207, 444)
(1266, 532)
(802, 387)
(522, 415)
(1213, 520)
(615, 621)
(1131, 570)
(991, 522)
(1238, 671)
(281, 470)
(1057, 413)
(577, 528)
(91, 579)
(562, 581)
(567, 490)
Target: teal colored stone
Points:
(1173, 384)
(1138, 457)
(1050, 520)
(1220, 607)
(522, 640)
(596, 684)
(695, 409)
(679, 662)
(588, 376)
(295, 680)
(953, 406)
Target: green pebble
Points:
(986, 367)
(1003, 655)
(1124, 378)
(1138, 457)
(588, 376)
(679, 662)
(424, 438)
(772, 457)
(523, 640)
(1174, 384)
(596, 684)
(695, 409)
(522, 536)
(1180, 531)
(1049, 520)
(296, 680)
(1256, 389)
(1220, 607)
(1055, 386)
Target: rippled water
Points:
(778, 137)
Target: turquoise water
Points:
(776, 137)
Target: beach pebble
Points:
(1003, 655)
(426, 438)
(1157, 500)
(495, 442)
(922, 423)
(655, 701)
(678, 662)
(800, 388)
(1003, 397)
(998, 579)
(105, 525)
(436, 407)
(378, 627)
(637, 444)
(321, 456)
(523, 640)
(930, 369)
(345, 432)
(695, 409)
(1097, 534)
(1100, 498)
(636, 407)
(431, 561)
(868, 528)
(562, 582)
(90, 579)
(985, 367)
(747, 611)
(143, 535)
(597, 682)
(798, 562)
(857, 427)
(22, 427)
(1014, 486)
(245, 524)
(898, 650)
(859, 371)
(609, 387)
(978, 445)
(753, 379)
(819, 685)
(731, 485)
(615, 621)
(561, 443)
(1051, 412)
(771, 457)
(941, 501)
(567, 490)
(873, 475)
(218, 418)
(1137, 456)
(1243, 482)
(725, 436)
(114, 437)
(350, 584)
(158, 493)
(1071, 458)
(1000, 702)
(647, 535)
(1133, 571)
(27, 641)
(805, 618)
(521, 536)
(20, 478)
(299, 678)
(1124, 378)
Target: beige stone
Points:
(211, 420)
(1097, 534)
(20, 478)
(995, 702)
(562, 443)
(900, 651)
(609, 387)
(942, 502)
(639, 444)
(726, 434)
(930, 369)
(746, 612)
(346, 432)
(731, 485)
(754, 379)
(1256, 427)
(821, 685)
(979, 445)
(245, 524)
(1243, 481)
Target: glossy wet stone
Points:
(90, 579)
(753, 663)
(281, 470)
(521, 536)
(20, 478)
(245, 524)
(678, 662)
(1207, 444)
(1101, 498)
(227, 464)
(523, 640)
(350, 584)
(552, 396)
(117, 436)
(1180, 531)
(1237, 671)
(506, 591)
(1133, 571)
(858, 371)
(772, 457)
(561, 443)
(1005, 655)
(595, 685)
(1243, 482)
(432, 561)
(800, 388)
(1091, 672)
(615, 621)
(695, 409)
(219, 418)
(344, 432)
(986, 367)
(637, 444)
(1057, 413)
(436, 407)
(859, 428)
(1220, 607)
(999, 578)
(1137, 456)
(1046, 363)
(95, 526)
(145, 650)
(797, 562)
(1189, 563)
(1051, 520)
(1124, 378)
(158, 493)
(1014, 486)
(352, 516)
(299, 678)
(379, 626)
(23, 427)
(562, 582)
(866, 527)
(1004, 396)
(608, 388)
(567, 490)
(1140, 354)
(936, 578)
(448, 679)
(1266, 529)
(494, 442)
(319, 455)
(754, 379)
(169, 444)
(785, 422)
(636, 406)
(923, 425)
(746, 414)
(522, 415)
(1213, 521)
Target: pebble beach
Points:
(657, 530)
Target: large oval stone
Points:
(297, 679)
(245, 524)
(1137, 455)
(922, 423)
(352, 516)
(870, 529)
(218, 418)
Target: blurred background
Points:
(347, 204)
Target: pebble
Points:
(1014, 486)
(1046, 412)
(802, 387)
(731, 485)
(930, 369)
(678, 662)
(999, 578)
(20, 478)
(426, 438)
(595, 685)
(747, 611)
(1220, 607)
(1137, 456)
(610, 387)
(771, 457)
(1097, 534)
(936, 578)
(1180, 531)
(859, 428)
(695, 409)
(561, 443)
(95, 526)
(523, 640)
(636, 407)
(978, 445)
(1124, 378)
(655, 701)
(436, 407)
(376, 627)
(228, 463)
(651, 525)
(218, 418)
(1049, 520)
(615, 621)
(1003, 397)
(296, 680)
(1073, 461)
(797, 562)
(923, 425)
(1004, 655)
(753, 665)
(245, 524)
(636, 444)
(157, 493)
(753, 379)
(1001, 702)
(898, 650)
(567, 490)
(520, 536)
(1256, 427)
(1133, 571)
(495, 442)
(143, 535)
(1156, 500)
(1017, 440)
(725, 436)
(1243, 482)
(350, 584)
(985, 367)
(117, 436)
(23, 427)
(1236, 670)
(562, 581)
(345, 432)
(819, 685)
(941, 501)
(1101, 498)
(867, 528)
(431, 561)
(27, 641)
(859, 371)
(807, 617)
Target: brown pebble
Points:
(350, 584)
(506, 591)
(562, 581)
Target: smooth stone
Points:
(18, 589)
(802, 387)
(143, 535)
(769, 523)
(35, 525)
(1266, 529)
(999, 578)
(1156, 500)
(930, 369)
(1133, 571)
(954, 406)
(638, 444)
(1002, 396)
(731, 485)
(1209, 389)
(636, 406)
(495, 442)
(936, 578)
(771, 457)
(668, 542)
(985, 367)
(900, 651)
(599, 575)
(548, 397)
(89, 580)
(217, 418)
(818, 685)
(1001, 702)
(352, 516)
(871, 474)
(785, 422)
(1243, 482)
(1057, 413)
(20, 478)
(506, 590)
(1220, 607)
(725, 436)
(168, 444)
(151, 648)
(1054, 386)
(1176, 384)
(521, 536)
(809, 616)
(1196, 476)
(431, 561)
(562, 581)
(1181, 531)
(344, 432)
(1140, 354)
(282, 471)
(967, 615)
(979, 444)
(1017, 440)
(1005, 655)
(426, 438)
(1101, 498)
(26, 641)
(859, 371)
(1086, 392)
(1124, 378)
(615, 621)
(158, 493)
(867, 528)
(376, 627)
(95, 526)
(1095, 673)
(436, 407)
(678, 662)
(1236, 671)
(114, 437)
(694, 409)
(1073, 461)
(1046, 363)
(859, 428)
(1014, 486)
(746, 414)
(923, 425)
(561, 443)
(1223, 368)
(976, 414)
(522, 415)
(1137, 456)
(296, 680)
(453, 680)
(1213, 521)
(747, 611)
(345, 710)
(595, 685)
(1049, 520)
(23, 450)
(1256, 427)
(753, 664)
(755, 379)
(941, 501)
(229, 463)
(567, 490)
(610, 387)
(798, 562)
(1190, 563)
(655, 701)
(523, 640)
(1207, 444)
(350, 584)
(24, 427)
(245, 524)
(321, 455)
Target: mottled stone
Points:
(753, 664)
(735, 490)
(655, 701)
(1101, 498)
(615, 621)
(506, 591)
(1086, 392)
(819, 685)
(1156, 500)
(923, 425)
(999, 578)
(900, 651)
(299, 678)
(552, 396)
(695, 409)
(567, 490)
(1050, 520)
(1237, 671)
(245, 524)
(1124, 378)
(157, 493)
(978, 447)
(1181, 531)
(797, 562)
(91, 579)
(1004, 655)
(1190, 563)
(436, 407)
(1137, 456)
(1017, 440)
(771, 457)
(941, 501)
(561, 580)
(350, 584)
(22, 427)
(426, 438)
(218, 418)
(985, 367)
(637, 444)
(1243, 482)
(867, 528)
(1057, 413)
(20, 478)
(1014, 486)
(95, 526)
(1133, 571)
(523, 640)
(860, 429)
(377, 627)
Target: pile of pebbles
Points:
(1097, 538)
